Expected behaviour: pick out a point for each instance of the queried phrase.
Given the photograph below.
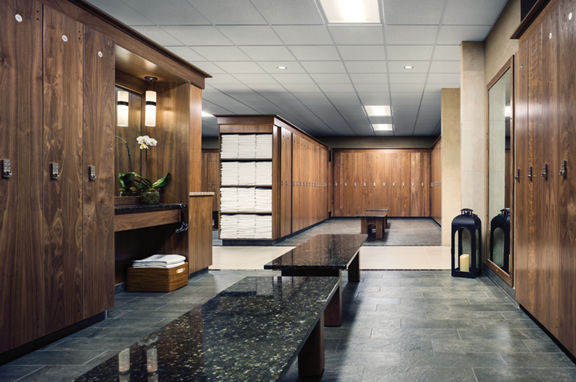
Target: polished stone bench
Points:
(252, 331)
(324, 255)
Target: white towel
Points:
(157, 265)
(162, 259)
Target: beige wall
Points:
(451, 192)
(499, 46)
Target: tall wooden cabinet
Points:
(545, 198)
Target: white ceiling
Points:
(333, 69)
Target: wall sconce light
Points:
(122, 108)
(150, 117)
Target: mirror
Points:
(500, 158)
(128, 127)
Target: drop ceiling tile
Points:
(208, 67)
(298, 88)
(413, 11)
(293, 67)
(198, 35)
(239, 66)
(252, 79)
(399, 66)
(472, 12)
(315, 53)
(291, 12)
(336, 88)
(168, 12)
(454, 35)
(250, 35)
(371, 88)
(293, 78)
(158, 35)
(443, 78)
(369, 78)
(407, 78)
(222, 79)
(333, 78)
(227, 12)
(366, 66)
(264, 53)
(122, 12)
(410, 52)
(445, 67)
(304, 34)
(323, 66)
(185, 53)
(406, 87)
(402, 99)
(375, 98)
(411, 34)
(362, 52)
(446, 52)
(221, 53)
(357, 34)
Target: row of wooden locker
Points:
(398, 180)
(545, 154)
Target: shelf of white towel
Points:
(246, 212)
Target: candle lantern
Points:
(466, 244)
(500, 240)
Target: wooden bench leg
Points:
(354, 269)
(364, 226)
(333, 312)
(379, 229)
(311, 357)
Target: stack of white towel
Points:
(160, 261)
(246, 226)
(245, 199)
(229, 173)
(242, 146)
(246, 173)
(263, 200)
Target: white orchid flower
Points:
(144, 141)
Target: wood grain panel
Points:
(195, 133)
(436, 182)
(98, 148)
(200, 232)
(286, 183)
(567, 185)
(211, 175)
(126, 222)
(21, 250)
(62, 202)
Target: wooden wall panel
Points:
(62, 202)
(194, 166)
(98, 148)
(375, 179)
(211, 175)
(200, 232)
(21, 253)
(286, 183)
(436, 182)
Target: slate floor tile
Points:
(13, 372)
(525, 374)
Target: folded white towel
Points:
(156, 265)
(162, 259)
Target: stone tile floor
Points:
(398, 326)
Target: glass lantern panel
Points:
(497, 255)
(463, 240)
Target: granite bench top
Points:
(330, 251)
(251, 331)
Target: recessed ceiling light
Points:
(205, 114)
(378, 110)
(282, 67)
(351, 11)
(408, 67)
(382, 127)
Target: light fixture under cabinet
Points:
(150, 108)
(122, 108)
(351, 11)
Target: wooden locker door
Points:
(386, 182)
(425, 184)
(547, 143)
(62, 202)
(98, 137)
(522, 204)
(416, 205)
(567, 183)
(21, 248)
(286, 180)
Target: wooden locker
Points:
(21, 249)
(420, 184)
(567, 182)
(62, 175)
(286, 183)
(98, 149)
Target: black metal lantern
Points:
(466, 244)
(500, 240)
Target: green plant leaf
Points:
(162, 182)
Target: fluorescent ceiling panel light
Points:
(282, 67)
(205, 114)
(408, 67)
(378, 110)
(351, 11)
(382, 127)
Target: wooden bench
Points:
(252, 331)
(374, 218)
(324, 255)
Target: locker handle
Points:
(92, 173)
(6, 168)
(530, 173)
(545, 171)
(517, 176)
(54, 171)
(563, 169)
